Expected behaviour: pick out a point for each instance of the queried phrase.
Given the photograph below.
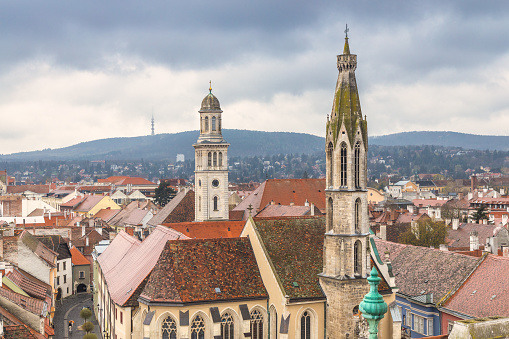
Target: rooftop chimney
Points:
(474, 240)
(455, 223)
(312, 209)
(443, 247)
(306, 203)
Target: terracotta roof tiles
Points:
(209, 229)
(486, 292)
(205, 270)
(78, 258)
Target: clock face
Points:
(215, 183)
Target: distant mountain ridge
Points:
(167, 146)
(244, 143)
(447, 139)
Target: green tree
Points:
(425, 233)
(480, 214)
(90, 336)
(87, 327)
(85, 313)
(164, 193)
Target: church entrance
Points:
(81, 288)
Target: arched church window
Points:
(215, 203)
(357, 168)
(343, 164)
(215, 159)
(330, 214)
(227, 328)
(198, 328)
(358, 215)
(206, 124)
(210, 159)
(213, 123)
(330, 169)
(305, 326)
(169, 328)
(220, 159)
(256, 325)
(357, 258)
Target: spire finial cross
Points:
(346, 31)
(210, 86)
(250, 208)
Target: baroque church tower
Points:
(346, 255)
(211, 164)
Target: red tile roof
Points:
(16, 329)
(421, 270)
(73, 202)
(461, 236)
(486, 292)
(429, 202)
(90, 202)
(78, 258)
(294, 247)
(285, 192)
(209, 229)
(126, 262)
(192, 270)
(124, 180)
(286, 211)
(32, 305)
(32, 286)
(41, 189)
(106, 214)
(179, 209)
(39, 248)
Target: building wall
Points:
(31, 263)
(447, 319)
(105, 203)
(76, 269)
(412, 310)
(64, 283)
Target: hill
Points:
(166, 146)
(446, 139)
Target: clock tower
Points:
(211, 164)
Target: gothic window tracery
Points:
(169, 328)
(357, 155)
(330, 176)
(256, 325)
(305, 326)
(227, 326)
(343, 165)
(198, 328)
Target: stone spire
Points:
(346, 108)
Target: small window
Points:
(82, 275)
(418, 324)
(65, 278)
(121, 317)
(430, 326)
(215, 203)
(58, 267)
(215, 183)
(64, 265)
(58, 280)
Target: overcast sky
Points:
(73, 71)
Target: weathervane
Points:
(346, 31)
(210, 86)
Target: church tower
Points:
(346, 255)
(211, 164)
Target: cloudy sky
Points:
(73, 71)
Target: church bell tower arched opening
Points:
(346, 255)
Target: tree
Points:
(85, 313)
(425, 233)
(90, 336)
(480, 214)
(164, 193)
(87, 327)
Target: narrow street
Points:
(70, 310)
